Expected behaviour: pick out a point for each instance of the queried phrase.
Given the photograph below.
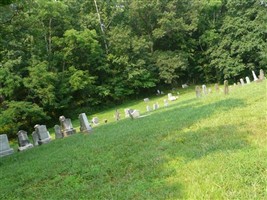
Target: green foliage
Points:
(65, 54)
(20, 115)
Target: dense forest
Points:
(60, 55)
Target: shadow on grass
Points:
(162, 137)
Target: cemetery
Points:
(131, 99)
(195, 108)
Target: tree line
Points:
(60, 55)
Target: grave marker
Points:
(226, 88)
(84, 124)
(23, 141)
(4, 146)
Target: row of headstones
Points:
(41, 136)
(226, 86)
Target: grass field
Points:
(214, 147)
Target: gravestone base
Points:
(25, 147)
(67, 133)
(6, 152)
(85, 130)
(44, 141)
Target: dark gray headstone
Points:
(4, 146)
(23, 140)
(117, 115)
(35, 138)
(43, 134)
(58, 133)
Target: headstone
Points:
(238, 83)
(66, 126)
(135, 114)
(226, 89)
(148, 109)
(35, 138)
(184, 85)
(165, 102)
(247, 80)
(204, 90)
(155, 106)
(234, 84)
(23, 140)
(85, 127)
(4, 146)
(58, 133)
(117, 115)
(43, 134)
(127, 111)
(216, 87)
(95, 120)
(261, 76)
(242, 82)
(146, 100)
(171, 98)
(209, 91)
(198, 92)
(254, 76)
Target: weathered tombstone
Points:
(247, 80)
(135, 114)
(35, 138)
(117, 115)
(43, 134)
(4, 146)
(226, 89)
(261, 76)
(254, 76)
(58, 133)
(204, 89)
(95, 120)
(165, 102)
(171, 98)
(23, 140)
(238, 83)
(148, 109)
(155, 106)
(85, 127)
(146, 100)
(184, 85)
(209, 91)
(242, 82)
(66, 126)
(217, 87)
(198, 92)
(234, 84)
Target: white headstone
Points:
(204, 89)
(95, 120)
(84, 124)
(242, 82)
(247, 80)
(148, 109)
(135, 114)
(4, 146)
(254, 76)
(171, 98)
(165, 102)
(146, 100)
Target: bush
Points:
(20, 115)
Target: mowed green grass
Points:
(209, 148)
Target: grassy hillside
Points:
(209, 148)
